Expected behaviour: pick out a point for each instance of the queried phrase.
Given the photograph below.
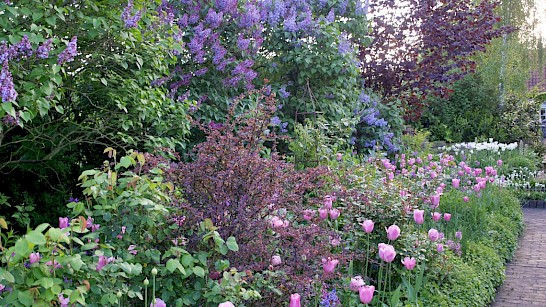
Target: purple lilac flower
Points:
(276, 121)
(228, 6)
(43, 50)
(362, 7)
(7, 89)
(307, 22)
(290, 23)
(250, 17)
(344, 45)
(284, 127)
(9, 120)
(201, 72)
(24, 48)
(331, 16)
(130, 21)
(183, 21)
(342, 7)
(276, 12)
(242, 43)
(69, 53)
(166, 13)
(214, 19)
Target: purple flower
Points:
(458, 235)
(201, 72)
(387, 252)
(356, 283)
(63, 222)
(132, 249)
(290, 23)
(102, 262)
(43, 50)
(214, 19)
(62, 300)
(331, 16)
(250, 17)
(69, 53)
(23, 48)
(329, 265)
(283, 92)
(242, 43)
(344, 45)
(393, 232)
(34, 257)
(130, 21)
(7, 89)
(158, 303)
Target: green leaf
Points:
(199, 271)
(47, 282)
(56, 289)
(173, 264)
(125, 162)
(25, 298)
(22, 248)
(41, 227)
(6, 275)
(232, 244)
(36, 237)
(187, 260)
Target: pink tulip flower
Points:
(465, 199)
(433, 234)
(393, 232)
(419, 216)
(329, 265)
(386, 252)
(367, 226)
(409, 263)
(160, 303)
(499, 163)
(226, 304)
(323, 213)
(440, 248)
(356, 283)
(63, 222)
(456, 183)
(295, 300)
(436, 216)
(34, 257)
(365, 294)
(434, 201)
(334, 213)
(327, 202)
(447, 217)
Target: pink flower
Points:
(366, 294)
(367, 226)
(476, 188)
(329, 265)
(356, 283)
(419, 216)
(327, 202)
(393, 232)
(409, 263)
(477, 171)
(276, 222)
(63, 222)
(55, 264)
(465, 199)
(62, 300)
(132, 249)
(456, 183)
(309, 214)
(386, 252)
(335, 241)
(294, 300)
(2, 287)
(339, 156)
(160, 303)
(276, 260)
(334, 213)
(434, 201)
(95, 227)
(323, 213)
(440, 247)
(458, 235)
(433, 234)
(499, 163)
(34, 257)
(102, 262)
(123, 229)
(226, 304)
(447, 217)
(436, 216)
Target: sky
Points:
(541, 28)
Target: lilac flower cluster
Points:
(23, 49)
(344, 45)
(7, 89)
(69, 53)
(131, 21)
(329, 299)
(43, 50)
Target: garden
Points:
(265, 152)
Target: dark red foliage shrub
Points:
(244, 187)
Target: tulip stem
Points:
(367, 257)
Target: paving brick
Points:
(525, 283)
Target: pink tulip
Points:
(334, 213)
(366, 294)
(456, 183)
(367, 226)
(386, 252)
(226, 304)
(63, 222)
(433, 234)
(309, 214)
(419, 216)
(499, 163)
(327, 202)
(356, 283)
(34, 257)
(465, 199)
(323, 213)
(393, 232)
(460, 173)
(476, 188)
(295, 300)
(329, 265)
(477, 171)
(160, 303)
(436, 216)
(447, 217)
(434, 201)
(440, 248)
(409, 263)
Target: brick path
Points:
(525, 283)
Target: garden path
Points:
(525, 283)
